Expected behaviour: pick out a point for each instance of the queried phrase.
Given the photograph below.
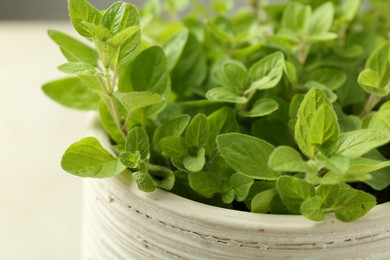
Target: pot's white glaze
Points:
(124, 223)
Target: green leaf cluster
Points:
(280, 109)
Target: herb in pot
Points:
(278, 109)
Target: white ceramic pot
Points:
(124, 223)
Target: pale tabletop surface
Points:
(40, 205)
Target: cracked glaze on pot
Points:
(121, 222)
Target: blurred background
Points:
(40, 205)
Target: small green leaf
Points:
(370, 81)
(224, 94)
(236, 73)
(109, 125)
(79, 68)
(380, 120)
(296, 18)
(174, 146)
(133, 101)
(365, 165)
(163, 179)
(197, 131)
(173, 127)
(321, 19)
(78, 50)
(174, 48)
(291, 71)
(261, 203)
(311, 209)
(241, 185)
(331, 78)
(120, 38)
(328, 194)
(137, 141)
(313, 100)
(294, 192)
(144, 181)
(208, 183)
(356, 143)
(221, 121)
(81, 11)
(324, 130)
(287, 159)
(261, 107)
(247, 155)
(195, 163)
(267, 72)
(88, 158)
(130, 160)
(71, 92)
(337, 164)
(352, 204)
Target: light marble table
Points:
(40, 205)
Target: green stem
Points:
(303, 52)
(372, 101)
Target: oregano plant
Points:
(280, 109)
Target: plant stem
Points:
(303, 52)
(372, 101)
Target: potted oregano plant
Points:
(261, 113)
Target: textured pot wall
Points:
(123, 223)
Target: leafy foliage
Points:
(281, 109)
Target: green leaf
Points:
(356, 143)
(296, 18)
(197, 131)
(241, 185)
(173, 127)
(370, 81)
(378, 62)
(313, 100)
(294, 192)
(133, 101)
(163, 179)
(195, 163)
(221, 121)
(224, 94)
(144, 181)
(349, 9)
(321, 19)
(365, 165)
(88, 158)
(267, 72)
(109, 124)
(138, 141)
(261, 107)
(120, 38)
(119, 16)
(191, 69)
(81, 11)
(71, 92)
(261, 203)
(130, 160)
(174, 146)
(337, 164)
(247, 155)
(287, 159)
(291, 71)
(174, 48)
(380, 120)
(324, 129)
(78, 50)
(236, 73)
(352, 204)
(311, 209)
(79, 68)
(331, 78)
(207, 183)
(149, 72)
(328, 193)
